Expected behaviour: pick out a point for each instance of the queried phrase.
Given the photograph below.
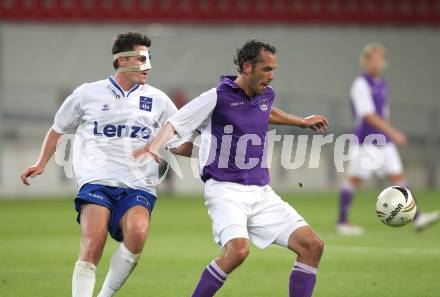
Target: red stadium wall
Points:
(338, 12)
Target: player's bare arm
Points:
(47, 149)
(152, 149)
(315, 122)
(376, 121)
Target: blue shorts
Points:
(117, 200)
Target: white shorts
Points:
(381, 160)
(253, 212)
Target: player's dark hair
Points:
(250, 52)
(127, 41)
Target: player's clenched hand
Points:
(399, 138)
(317, 123)
(31, 171)
(145, 151)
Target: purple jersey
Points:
(233, 129)
(369, 96)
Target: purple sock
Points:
(211, 281)
(302, 280)
(345, 198)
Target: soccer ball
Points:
(396, 206)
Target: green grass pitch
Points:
(39, 242)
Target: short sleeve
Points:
(187, 119)
(69, 115)
(362, 98)
(168, 111)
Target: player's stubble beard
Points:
(138, 78)
(255, 83)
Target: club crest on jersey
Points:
(146, 103)
(264, 104)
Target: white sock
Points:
(298, 266)
(83, 279)
(122, 264)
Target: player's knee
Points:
(314, 247)
(238, 250)
(137, 231)
(241, 254)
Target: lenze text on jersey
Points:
(111, 130)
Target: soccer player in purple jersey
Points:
(233, 119)
(370, 104)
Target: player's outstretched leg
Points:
(216, 273)
(134, 225)
(309, 248)
(93, 224)
(425, 219)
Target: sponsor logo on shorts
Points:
(97, 196)
(141, 198)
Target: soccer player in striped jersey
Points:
(110, 118)
(370, 104)
(233, 119)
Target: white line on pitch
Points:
(383, 250)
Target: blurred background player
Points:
(370, 104)
(240, 202)
(117, 195)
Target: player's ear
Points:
(247, 68)
(121, 61)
